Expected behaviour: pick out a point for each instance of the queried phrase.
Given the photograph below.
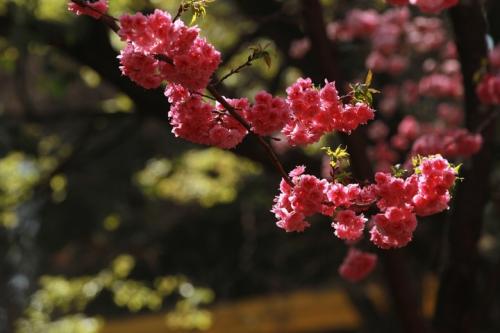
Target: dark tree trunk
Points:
(457, 299)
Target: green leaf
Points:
(398, 171)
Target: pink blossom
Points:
(299, 48)
(409, 92)
(342, 195)
(195, 120)
(140, 68)
(488, 90)
(93, 9)
(353, 116)
(409, 128)
(449, 143)
(316, 112)
(174, 51)
(494, 57)
(362, 22)
(433, 6)
(398, 2)
(386, 37)
(394, 228)
(393, 191)
(226, 131)
(397, 64)
(357, 265)
(378, 130)
(377, 62)
(400, 142)
(425, 34)
(434, 181)
(348, 225)
(451, 114)
(294, 204)
(191, 118)
(440, 85)
(268, 115)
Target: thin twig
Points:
(179, 12)
(233, 71)
(486, 121)
(202, 95)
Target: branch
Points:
(233, 71)
(269, 150)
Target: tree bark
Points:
(455, 311)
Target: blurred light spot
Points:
(120, 103)
(90, 77)
(186, 290)
(112, 222)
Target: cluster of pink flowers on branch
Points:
(316, 112)
(200, 122)
(399, 201)
(161, 49)
(303, 117)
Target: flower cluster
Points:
(159, 49)
(441, 85)
(357, 265)
(427, 6)
(316, 112)
(268, 114)
(488, 90)
(420, 138)
(198, 121)
(303, 117)
(391, 34)
(399, 200)
(435, 178)
(451, 143)
(296, 202)
(93, 9)
(348, 225)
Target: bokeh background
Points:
(108, 223)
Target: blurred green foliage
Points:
(58, 306)
(18, 174)
(208, 177)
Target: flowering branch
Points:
(110, 21)
(269, 150)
